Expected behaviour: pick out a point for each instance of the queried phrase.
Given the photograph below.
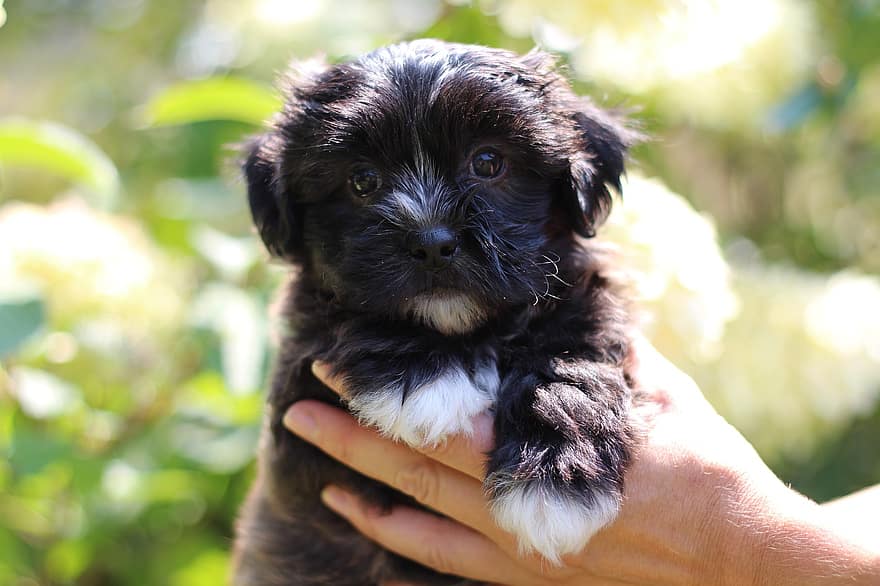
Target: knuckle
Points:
(438, 559)
(439, 450)
(684, 384)
(420, 481)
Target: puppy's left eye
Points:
(364, 181)
(487, 163)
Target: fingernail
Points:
(324, 373)
(337, 499)
(301, 422)
(321, 370)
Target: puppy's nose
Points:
(433, 247)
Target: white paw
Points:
(550, 523)
(431, 412)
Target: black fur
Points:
(547, 316)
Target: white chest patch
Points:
(439, 408)
(448, 314)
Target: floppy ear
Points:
(596, 165)
(273, 216)
(276, 211)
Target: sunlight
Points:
(689, 38)
(280, 13)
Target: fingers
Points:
(430, 540)
(466, 454)
(434, 485)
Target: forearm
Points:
(796, 542)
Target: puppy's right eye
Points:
(487, 163)
(364, 181)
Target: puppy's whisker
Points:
(555, 265)
(477, 214)
(561, 280)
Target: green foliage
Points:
(224, 98)
(58, 149)
(466, 24)
(20, 318)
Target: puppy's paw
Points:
(550, 522)
(430, 413)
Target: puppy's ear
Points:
(272, 216)
(274, 164)
(596, 165)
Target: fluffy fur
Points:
(437, 201)
(551, 524)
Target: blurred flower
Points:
(232, 257)
(231, 33)
(282, 13)
(121, 480)
(519, 16)
(42, 395)
(239, 320)
(786, 355)
(841, 317)
(719, 61)
(673, 266)
(801, 359)
(115, 308)
(89, 265)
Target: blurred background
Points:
(134, 333)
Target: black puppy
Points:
(436, 200)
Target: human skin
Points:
(700, 506)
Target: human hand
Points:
(699, 504)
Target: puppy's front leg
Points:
(563, 439)
(423, 408)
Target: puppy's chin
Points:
(448, 312)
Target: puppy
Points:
(437, 201)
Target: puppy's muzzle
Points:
(433, 247)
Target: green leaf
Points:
(33, 449)
(226, 98)
(66, 560)
(20, 318)
(62, 150)
(209, 568)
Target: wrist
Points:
(745, 517)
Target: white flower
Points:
(674, 267)
(89, 265)
(800, 360)
(787, 356)
(722, 62)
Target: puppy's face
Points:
(433, 182)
